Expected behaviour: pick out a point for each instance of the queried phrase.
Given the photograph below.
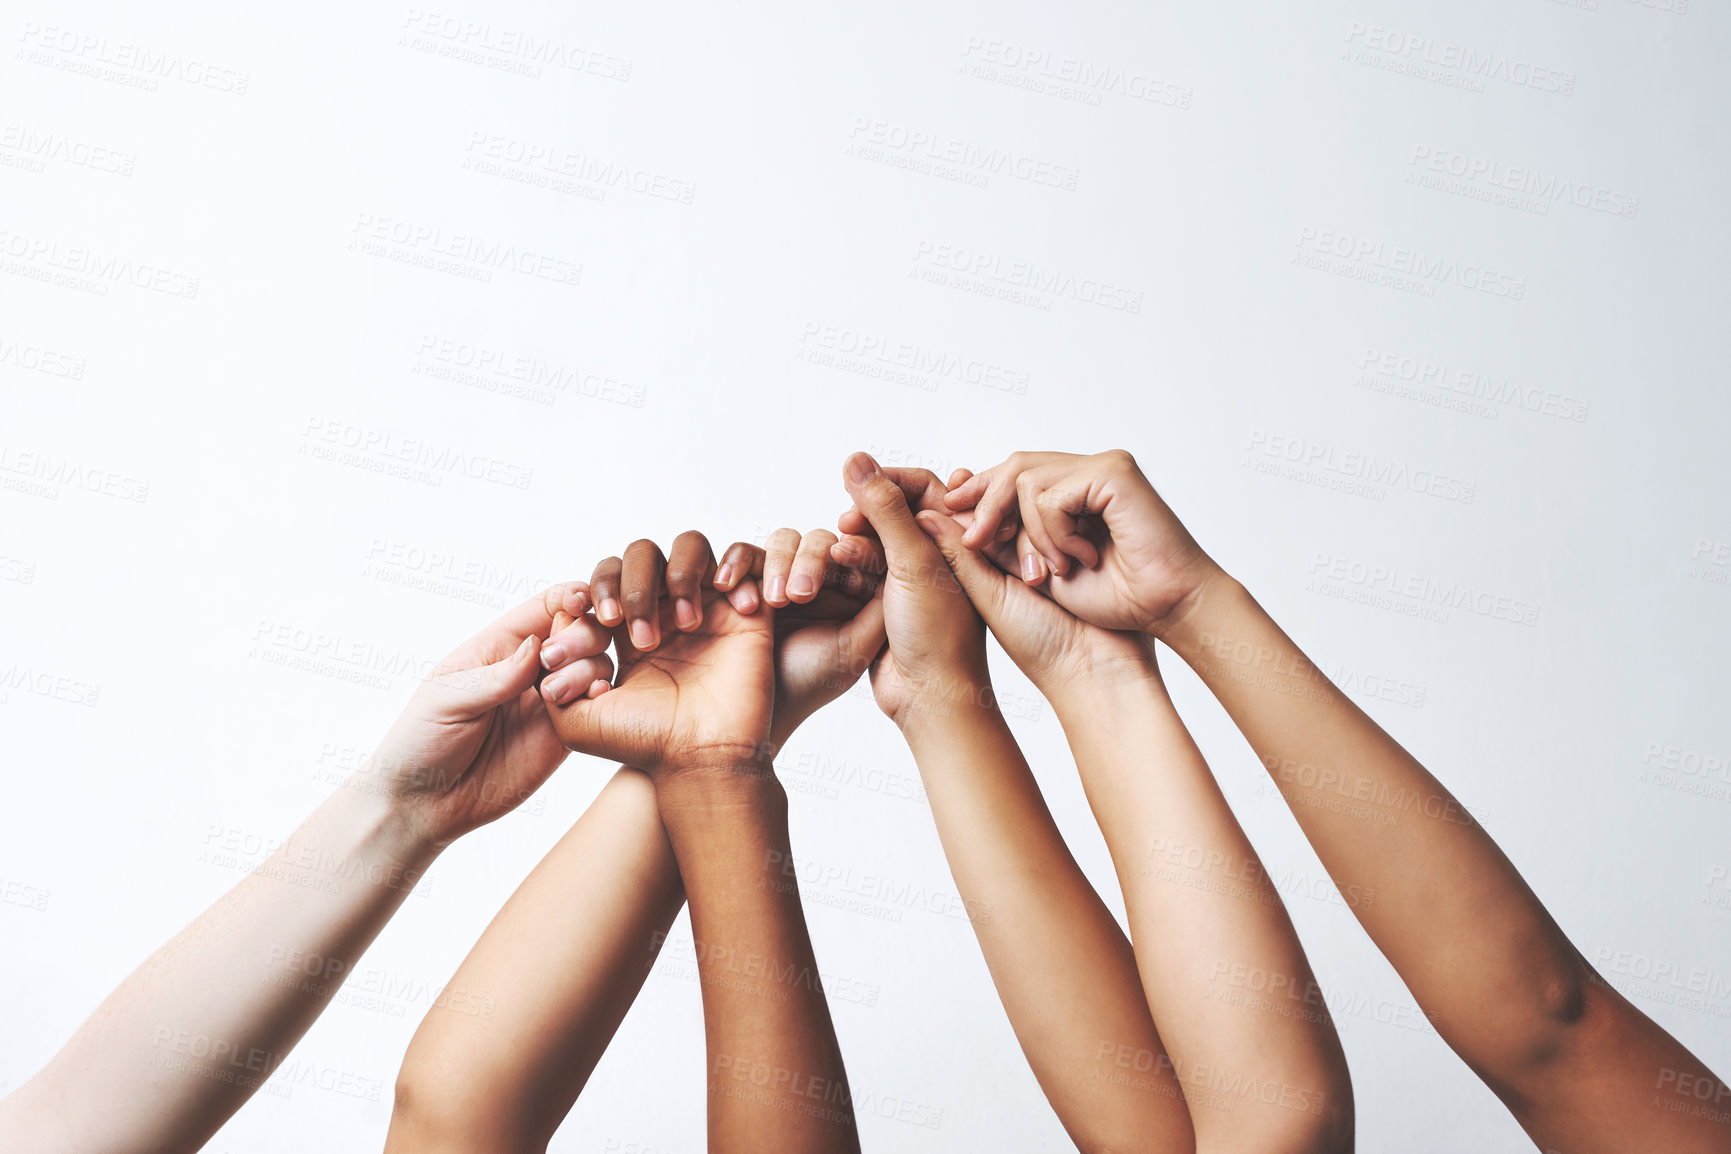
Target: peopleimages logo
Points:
(1056, 74)
(1493, 176)
(1404, 266)
(1418, 590)
(868, 134)
(1467, 63)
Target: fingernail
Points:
(861, 468)
(724, 575)
(800, 586)
(1030, 568)
(609, 610)
(600, 687)
(552, 656)
(642, 636)
(775, 590)
(684, 614)
(553, 688)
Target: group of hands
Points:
(1074, 562)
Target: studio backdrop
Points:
(329, 331)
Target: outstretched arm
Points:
(200, 1025)
(1579, 1066)
(1062, 966)
(1228, 983)
(500, 1059)
(556, 970)
(692, 707)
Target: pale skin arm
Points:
(1582, 1069)
(1062, 966)
(559, 966)
(190, 1035)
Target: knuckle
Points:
(681, 577)
(882, 492)
(638, 602)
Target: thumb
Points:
(472, 692)
(984, 583)
(863, 637)
(881, 501)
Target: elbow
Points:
(1546, 1028)
(440, 1107)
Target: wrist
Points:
(944, 700)
(394, 838)
(742, 805)
(1197, 612)
(1099, 660)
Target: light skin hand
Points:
(475, 740)
(1061, 965)
(472, 743)
(1113, 551)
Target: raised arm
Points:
(191, 1034)
(559, 966)
(499, 1060)
(1579, 1066)
(1062, 966)
(692, 707)
(1259, 1058)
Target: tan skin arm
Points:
(1196, 928)
(1063, 968)
(1580, 1067)
(563, 960)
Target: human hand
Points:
(937, 643)
(696, 682)
(1115, 553)
(474, 740)
(828, 623)
(1055, 648)
(829, 620)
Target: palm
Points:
(491, 763)
(701, 695)
(815, 660)
(463, 763)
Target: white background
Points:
(694, 385)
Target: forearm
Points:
(502, 1056)
(191, 1034)
(1206, 920)
(1062, 966)
(775, 1072)
(1480, 953)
